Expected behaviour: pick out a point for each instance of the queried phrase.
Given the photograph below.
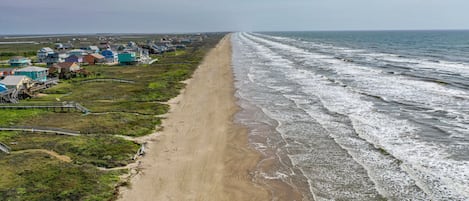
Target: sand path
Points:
(201, 154)
(63, 158)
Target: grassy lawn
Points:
(131, 109)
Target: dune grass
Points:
(38, 176)
(101, 151)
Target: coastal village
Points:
(21, 77)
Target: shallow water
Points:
(354, 119)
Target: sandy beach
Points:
(201, 154)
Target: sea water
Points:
(358, 115)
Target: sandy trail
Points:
(63, 158)
(201, 154)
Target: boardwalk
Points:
(63, 107)
(57, 131)
(108, 80)
(10, 96)
(4, 148)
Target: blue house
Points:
(110, 56)
(127, 58)
(55, 58)
(19, 62)
(3, 88)
(74, 58)
(35, 73)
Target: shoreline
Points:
(201, 154)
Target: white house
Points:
(16, 81)
(43, 53)
(77, 52)
(92, 49)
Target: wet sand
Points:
(201, 154)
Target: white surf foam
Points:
(427, 163)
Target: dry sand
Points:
(201, 154)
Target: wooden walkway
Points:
(57, 131)
(153, 61)
(63, 107)
(10, 96)
(108, 80)
(5, 148)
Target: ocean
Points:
(377, 115)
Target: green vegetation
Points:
(101, 151)
(27, 50)
(30, 172)
(38, 176)
(6, 136)
(12, 117)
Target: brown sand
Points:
(201, 154)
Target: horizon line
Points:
(200, 32)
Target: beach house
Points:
(64, 67)
(19, 61)
(185, 41)
(16, 82)
(92, 49)
(104, 45)
(110, 56)
(63, 46)
(180, 46)
(131, 45)
(74, 58)
(55, 58)
(43, 53)
(77, 52)
(127, 58)
(3, 88)
(92, 59)
(59, 46)
(143, 55)
(35, 73)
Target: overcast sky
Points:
(164, 16)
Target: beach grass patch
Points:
(7, 135)
(106, 123)
(37, 176)
(102, 151)
(10, 117)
